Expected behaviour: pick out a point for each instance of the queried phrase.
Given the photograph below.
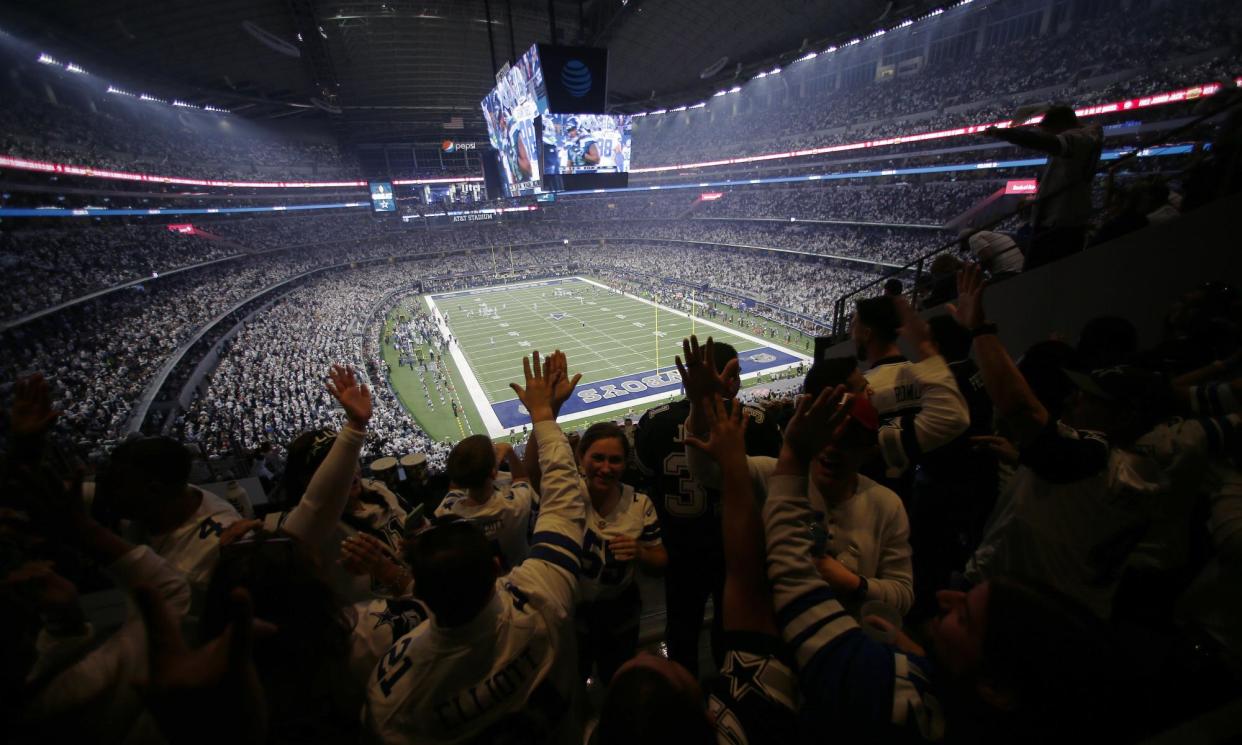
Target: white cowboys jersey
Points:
(194, 546)
(603, 577)
(441, 684)
(505, 518)
(920, 407)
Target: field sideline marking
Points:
(490, 420)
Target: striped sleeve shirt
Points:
(854, 687)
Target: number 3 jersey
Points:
(690, 514)
(603, 576)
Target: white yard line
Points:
(477, 395)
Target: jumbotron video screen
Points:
(586, 143)
(511, 111)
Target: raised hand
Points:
(363, 554)
(727, 441)
(914, 329)
(968, 310)
(557, 367)
(219, 676)
(353, 396)
(698, 371)
(538, 394)
(32, 411)
(816, 423)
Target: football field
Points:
(623, 345)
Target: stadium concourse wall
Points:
(1137, 277)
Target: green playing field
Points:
(607, 336)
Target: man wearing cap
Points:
(419, 487)
(1063, 202)
(995, 252)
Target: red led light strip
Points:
(1142, 102)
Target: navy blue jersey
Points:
(690, 514)
(754, 699)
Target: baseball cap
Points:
(1059, 116)
(989, 243)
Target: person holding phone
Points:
(622, 532)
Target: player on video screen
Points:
(582, 150)
(517, 157)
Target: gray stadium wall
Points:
(1137, 276)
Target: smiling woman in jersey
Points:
(622, 530)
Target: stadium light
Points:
(774, 71)
(852, 42)
(119, 92)
(718, 94)
(183, 104)
(807, 56)
(830, 50)
(74, 68)
(641, 113)
(935, 12)
(735, 89)
(678, 108)
(699, 105)
(761, 75)
(47, 59)
(905, 23)
(660, 111)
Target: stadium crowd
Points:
(268, 386)
(930, 538)
(772, 115)
(48, 267)
(974, 563)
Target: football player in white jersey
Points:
(498, 652)
(498, 504)
(622, 531)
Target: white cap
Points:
(997, 248)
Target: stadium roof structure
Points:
(418, 68)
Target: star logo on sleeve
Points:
(746, 673)
(401, 615)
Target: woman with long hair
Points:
(622, 533)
